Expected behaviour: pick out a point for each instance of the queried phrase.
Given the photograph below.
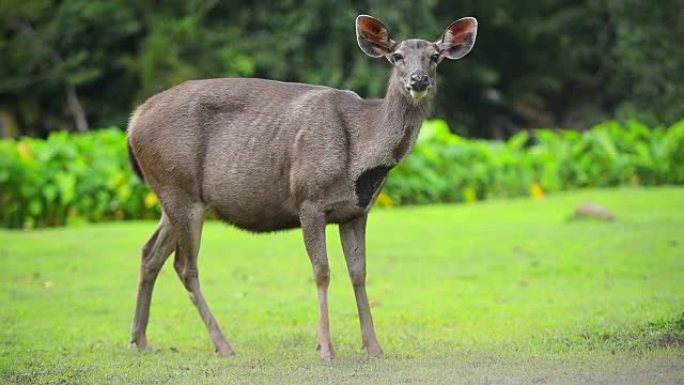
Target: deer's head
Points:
(415, 61)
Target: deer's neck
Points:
(395, 123)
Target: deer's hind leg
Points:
(155, 252)
(187, 219)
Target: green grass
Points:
(495, 292)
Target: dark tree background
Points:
(83, 64)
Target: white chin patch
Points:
(417, 95)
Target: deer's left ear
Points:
(458, 39)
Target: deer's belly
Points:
(259, 223)
(252, 199)
(265, 213)
(256, 215)
(260, 202)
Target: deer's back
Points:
(250, 149)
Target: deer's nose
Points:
(419, 81)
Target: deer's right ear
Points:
(373, 37)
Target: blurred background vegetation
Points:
(76, 177)
(79, 65)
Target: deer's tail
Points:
(134, 163)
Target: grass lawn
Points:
(497, 292)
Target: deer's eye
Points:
(397, 57)
(435, 57)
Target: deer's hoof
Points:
(225, 351)
(327, 352)
(373, 349)
(141, 343)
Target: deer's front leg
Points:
(353, 236)
(313, 226)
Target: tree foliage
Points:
(536, 63)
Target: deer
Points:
(266, 156)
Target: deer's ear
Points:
(458, 39)
(373, 37)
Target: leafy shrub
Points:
(445, 167)
(48, 182)
(70, 177)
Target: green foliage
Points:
(66, 177)
(536, 64)
(445, 167)
(48, 182)
(48, 45)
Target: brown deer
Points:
(267, 155)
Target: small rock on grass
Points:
(593, 210)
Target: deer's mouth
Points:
(417, 95)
